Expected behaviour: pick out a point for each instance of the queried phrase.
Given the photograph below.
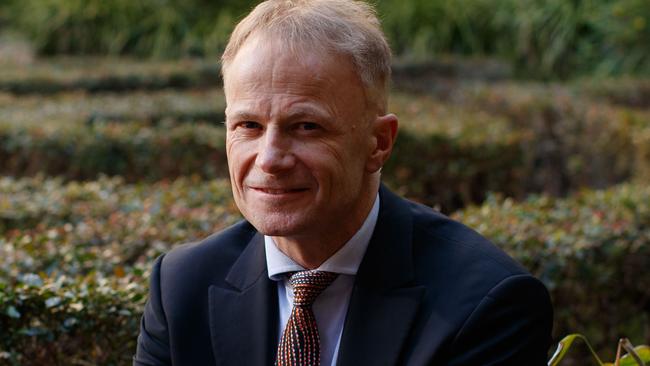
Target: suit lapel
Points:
(244, 317)
(384, 300)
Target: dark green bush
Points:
(70, 321)
(470, 159)
(592, 251)
(575, 141)
(95, 74)
(72, 290)
(74, 258)
(150, 108)
(628, 92)
(540, 38)
(51, 227)
(132, 150)
(507, 138)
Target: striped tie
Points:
(300, 343)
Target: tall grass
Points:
(545, 39)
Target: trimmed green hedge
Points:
(166, 106)
(541, 39)
(132, 150)
(73, 284)
(74, 258)
(576, 141)
(55, 75)
(592, 250)
(452, 154)
(70, 321)
(104, 226)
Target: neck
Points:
(312, 249)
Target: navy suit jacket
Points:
(429, 291)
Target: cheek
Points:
(239, 155)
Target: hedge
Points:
(592, 251)
(540, 39)
(577, 142)
(503, 140)
(133, 150)
(511, 138)
(50, 76)
(74, 258)
(55, 75)
(630, 92)
(166, 106)
(70, 321)
(79, 300)
(473, 160)
(105, 226)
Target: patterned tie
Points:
(300, 343)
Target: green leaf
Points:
(13, 313)
(642, 351)
(565, 344)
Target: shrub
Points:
(104, 226)
(592, 251)
(540, 38)
(132, 150)
(150, 108)
(74, 259)
(575, 142)
(70, 321)
(73, 284)
(94, 74)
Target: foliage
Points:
(149, 107)
(70, 321)
(541, 38)
(592, 251)
(75, 258)
(469, 159)
(104, 226)
(636, 356)
(95, 74)
(132, 150)
(505, 137)
(576, 142)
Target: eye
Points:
(308, 126)
(249, 125)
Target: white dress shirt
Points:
(331, 305)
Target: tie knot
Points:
(307, 285)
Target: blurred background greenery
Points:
(529, 120)
(541, 39)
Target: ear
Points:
(384, 132)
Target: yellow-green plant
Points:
(635, 356)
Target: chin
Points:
(277, 224)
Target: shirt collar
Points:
(345, 261)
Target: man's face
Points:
(298, 141)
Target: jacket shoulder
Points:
(437, 235)
(208, 259)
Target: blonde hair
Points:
(346, 27)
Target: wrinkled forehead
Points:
(270, 62)
(263, 49)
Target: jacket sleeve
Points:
(153, 341)
(510, 326)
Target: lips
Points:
(278, 191)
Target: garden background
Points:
(528, 120)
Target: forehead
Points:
(266, 64)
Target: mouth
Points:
(279, 191)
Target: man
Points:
(330, 267)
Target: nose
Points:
(275, 155)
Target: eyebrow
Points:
(242, 116)
(302, 112)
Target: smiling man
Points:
(329, 266)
